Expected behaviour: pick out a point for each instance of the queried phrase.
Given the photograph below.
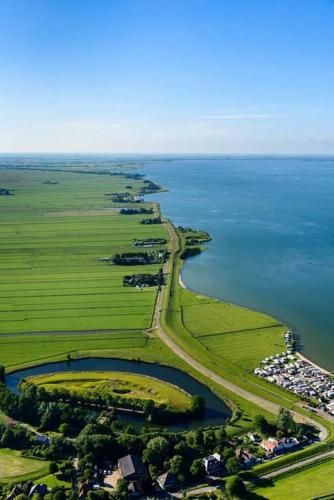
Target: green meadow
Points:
(14, 467)
(128, 385)
(234, 333)
(51, 237)
(311, 482)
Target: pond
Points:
(216, 411)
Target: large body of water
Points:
(272, 223)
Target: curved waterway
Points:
(272, 224)
(216, 412)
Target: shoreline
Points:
(307, 360)
(181, 282)
(298, 353)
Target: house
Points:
(273, 445)
(38, 489)
(254, 437)
(245, 457)
(270, 445)
(14, 492)
(84, 488)
(41, 438)
(167, 482)
(287, 444)
(213, 464)
(132, 469)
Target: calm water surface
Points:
(272, 223)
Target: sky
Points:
(167, 76)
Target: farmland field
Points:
(236, 334)
(312, 482)
(13, 466)
(51, 279)
(128, 385)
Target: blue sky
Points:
(167, 76)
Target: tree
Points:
(261, 424)
(228, 453)
(209, 441)
(130, 444)
(8, 439)
(65, 429)
(156, 451)
(197, 405)
(197, 468)
(176, 464)
(121, 491)
(232, 465)
(235, 487)
(58, 494)
(154, 471)
(285, 422)
(53, 467)
(198, 438)
(2, 373)
(98, 495)
(220, 436)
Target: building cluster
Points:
(278, 446)
(272, 446)
(134, 472)
(300, 377)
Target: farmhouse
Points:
(213, 464)
(273, 445)
(132, 469)
(270, 445)
(167, 482)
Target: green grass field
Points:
(15, 467)
(51, 237)
(53, 480)
(309, 483)
(231, 332)
(128, 385)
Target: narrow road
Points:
(230, 386)
(297, 465)
(270, 475)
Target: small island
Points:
(120, 391)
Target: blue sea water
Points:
(272, 223)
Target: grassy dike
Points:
(172, 322)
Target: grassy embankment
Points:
(312, 481)
(127, 385)
(15, 467)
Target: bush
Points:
(235, 487)
(53, 467)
